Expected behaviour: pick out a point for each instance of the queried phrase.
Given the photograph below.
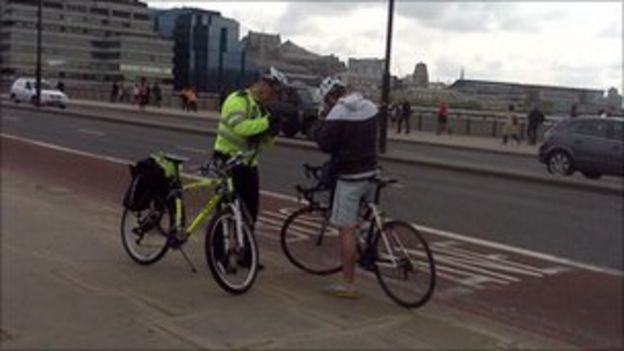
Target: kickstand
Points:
(193, 269)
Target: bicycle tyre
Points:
(157, 228)
(297, 241)
(424, 266)
(247, 261)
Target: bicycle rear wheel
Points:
(404, 264)
(144, 234)
(233, 264)
(310, 243)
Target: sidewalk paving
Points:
(454, 140)
(68, 284)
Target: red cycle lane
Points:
(570, 302)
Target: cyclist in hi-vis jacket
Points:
(246, 125)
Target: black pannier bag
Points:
(148, 183)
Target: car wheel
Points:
(14, 98)
(62, 106)
(560, 162)
(591, 174)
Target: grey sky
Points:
(563, 43)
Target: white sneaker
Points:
(342, 289)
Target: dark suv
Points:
(297, 111)
(594, 146)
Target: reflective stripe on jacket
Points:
(242, 118)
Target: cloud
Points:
(553, 43)
(299, 16)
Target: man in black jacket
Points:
(536, 118)
(349, 134)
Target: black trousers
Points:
(403, 120)
(246, 184)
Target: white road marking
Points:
(10, 118)
(192, 149)
(92, 132)
(429, 230)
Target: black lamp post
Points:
(38, 69)
(385, 89)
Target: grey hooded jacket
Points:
(349, 134)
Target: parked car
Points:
(24, 90)
(592, 145)
(298, 110)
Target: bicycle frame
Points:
(207, 210)
(376, 233)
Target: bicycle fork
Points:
(233, 243)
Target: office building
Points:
(85, 43)
(208, 54)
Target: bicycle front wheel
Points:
(144, 234)
(310, 243)
(232, 262)
(404, 264)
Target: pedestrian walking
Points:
(184, 99)
(394, 112)
(135, 94)
(114, 92)
(442, 117)
(144, 94)
(535, 118)
(574, 111)
(511, 127)
(191, 99)
(404, 117)
(60, 86)
(157, 95)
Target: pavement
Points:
(68, 284)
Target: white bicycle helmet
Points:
(328, 84)
(276, 78)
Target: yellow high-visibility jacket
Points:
(244, 125)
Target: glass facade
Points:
(208, 54)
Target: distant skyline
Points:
(574, 44)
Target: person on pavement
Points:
(442, 115)
(246, 125)
(536, 118)
(511, 126)
(348, 133)
(404, 117)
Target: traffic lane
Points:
(525, 290)
(519, 288)
(503, 210)
(457, 156)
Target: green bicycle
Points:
(230, 246)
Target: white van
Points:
(24, 89)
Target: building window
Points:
(121, 14)
(141, 16)
(55, 5)
(99, 11)
(24, 2)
